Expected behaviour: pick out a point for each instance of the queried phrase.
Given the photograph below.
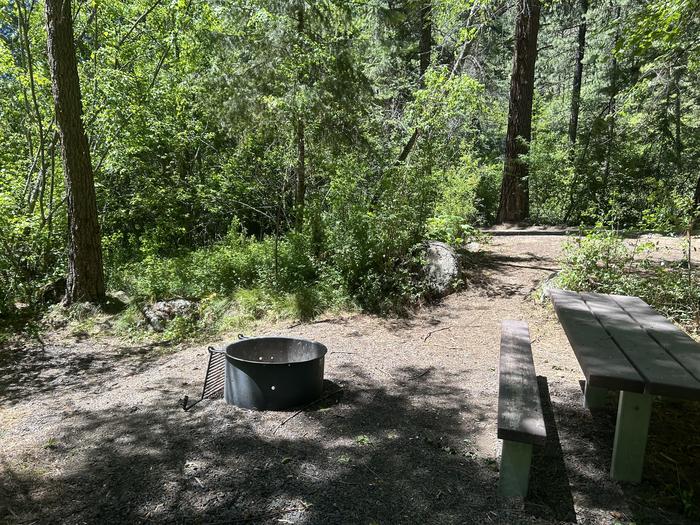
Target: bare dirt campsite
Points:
(93, 431)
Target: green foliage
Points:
(194, 108)
(606, 262)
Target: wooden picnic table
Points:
(623, 344)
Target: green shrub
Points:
(451, 229)
(600, 261)
(604, 262)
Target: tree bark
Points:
(85, 281)
(514, 203)
(426, 39)
(578, 75)
(677, 142)
(611, 117)
(300, 194)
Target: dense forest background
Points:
(300, 152)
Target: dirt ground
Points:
(92, 430)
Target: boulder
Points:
(442, 268)
(159, 313)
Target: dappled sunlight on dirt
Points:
(93, 430)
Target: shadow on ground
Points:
(481, 268)
(396, 454)
(670, 489)
(28, 369)
(550, 492)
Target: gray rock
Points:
(473, 247)
(442, 268)
(159, 313)
(121, 296)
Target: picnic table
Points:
(623, 344)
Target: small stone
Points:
(159, 313)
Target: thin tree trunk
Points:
(426, 38)
(578, 75)
(678, 143)
(23, 18)
(85, 281)
(612, 112)
(514, 204)
(300, 194)
(416, 132)
(301, 176)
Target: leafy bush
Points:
(451, 229)
(372, 237)
(603, 261)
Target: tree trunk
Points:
(611, 117)
(678, 143)
(426, 38)
(514, 204)
(85, 280)
(425, 47)
(578, 75)
(300, 194)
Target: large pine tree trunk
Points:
(85, 280)
(578, 75)
(514, 204)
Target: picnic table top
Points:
(622, 343)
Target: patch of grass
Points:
(51, 443)
(240, 312)
(363, 440)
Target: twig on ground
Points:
(421, 374)
(668, 458)
(445, 346)
(435, 331)
(295, 414)
(372, 471)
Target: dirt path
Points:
(92, 431)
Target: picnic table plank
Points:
(601, 360)
(520, 415)
(662, 373)
(677, 343)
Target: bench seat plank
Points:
(520, 415)
(675, 341)
(663, 374)
(602, 361)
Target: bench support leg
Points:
(515, 469)
(633, 413)
(594, 397)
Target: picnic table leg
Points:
(633, 413)
(515, 469)
(594, 397)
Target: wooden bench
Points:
(623, 344)
(520, 419)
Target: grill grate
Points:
(213, 380)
